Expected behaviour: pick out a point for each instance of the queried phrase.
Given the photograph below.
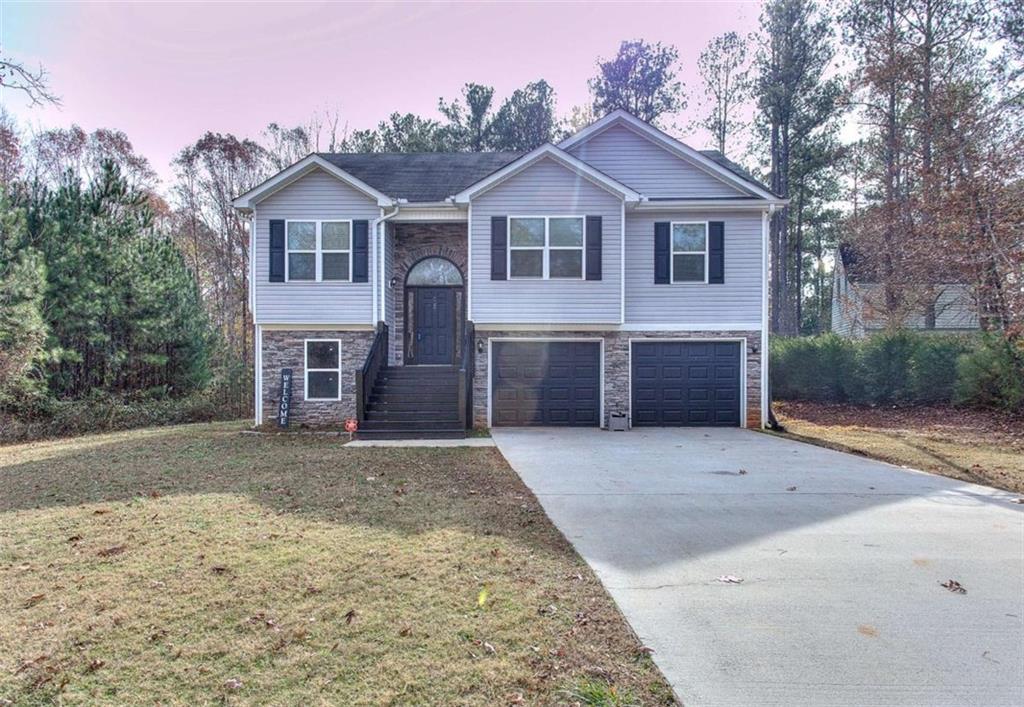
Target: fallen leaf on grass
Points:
(33, 600)
(481, 598)
(95, 665)
(350, 616)
(954, 586)
(729, 579)
(111, 551)
(29, 663)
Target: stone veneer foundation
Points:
(285, 349)
(616, 365)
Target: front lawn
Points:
(197, 564)
(977, 446)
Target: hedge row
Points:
(900, 368)
(108, 414)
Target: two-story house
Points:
(618, 273)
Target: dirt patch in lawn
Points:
(971, 445)
(195, 564)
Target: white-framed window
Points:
(689, 261)
(318, 251)
(545, 247)
(323, 369)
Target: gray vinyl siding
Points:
(315, 196)
(736, 304)
(546, 189)
(649, 168)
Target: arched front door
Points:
(434, 296)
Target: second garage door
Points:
(546, 383)
(694, 383)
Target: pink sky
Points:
(166, 73)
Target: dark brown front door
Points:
(434, 326)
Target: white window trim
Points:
(318, 253)
(306, 370)
(672, 252)
(546, 248)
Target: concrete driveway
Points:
(841, 560)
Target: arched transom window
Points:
(434, 272)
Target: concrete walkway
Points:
(841, 560)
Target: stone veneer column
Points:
(412, 243)
(285, 349)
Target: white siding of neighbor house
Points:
(316, 196)
(736, 304)
(546, 189)
(649, 168)
(955, 310)
(843, 302)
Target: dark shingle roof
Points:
(434, 176)
(862, 265)
(735, 168)
(420, 176)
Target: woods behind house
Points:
(120, 296)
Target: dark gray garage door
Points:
(546, 383)
(692, 383)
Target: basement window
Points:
(323, 369)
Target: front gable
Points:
(649, 168)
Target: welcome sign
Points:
(285, 404)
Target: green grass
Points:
(195, 564)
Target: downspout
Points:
(772, 422)
(380, 235)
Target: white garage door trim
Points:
(741, 340)
(490, 365)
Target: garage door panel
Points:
(546, 383)
(682, 383)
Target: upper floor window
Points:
(690, 252)
(318, 250)
(548, 247)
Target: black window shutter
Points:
(716, 252)
(277, 250)
(593, 247)
(499, 247)
(360, 251)
(662, 252)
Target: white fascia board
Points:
(558, 155)
(708, 205)
(680, 149)
(301, 169)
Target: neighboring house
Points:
(858, 306)
(619, 271)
